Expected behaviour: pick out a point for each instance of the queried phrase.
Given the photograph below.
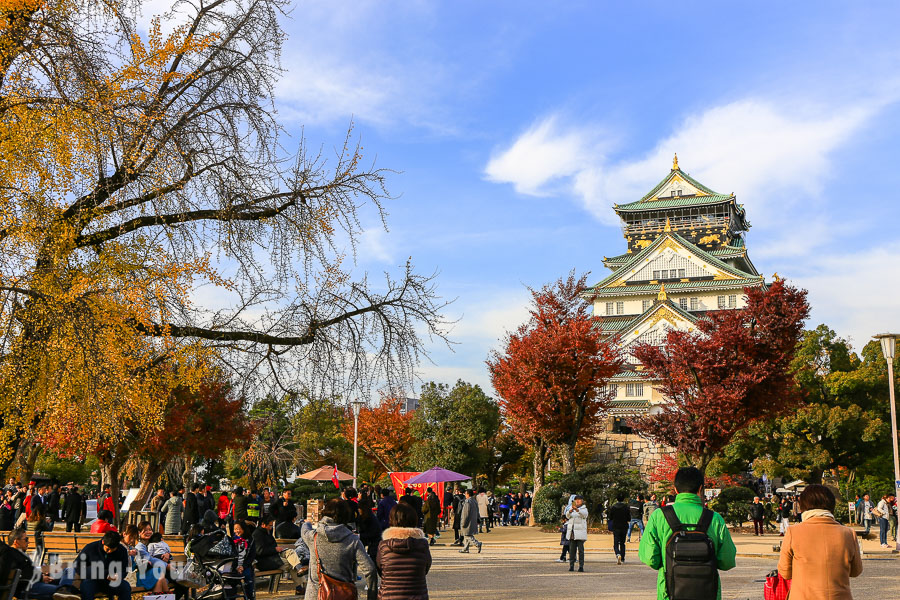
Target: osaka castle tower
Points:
(685, 257)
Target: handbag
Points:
(776, 587)
(329, 587)
(191, 575)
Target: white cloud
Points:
(374, 245)
(547, 151)
(854, 293)
(753, 147)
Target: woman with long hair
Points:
(150, 576)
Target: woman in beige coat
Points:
(819, 554)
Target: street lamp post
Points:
(355, 405)
(888, 346)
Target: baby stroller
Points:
(214, 555)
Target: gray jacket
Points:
(172, 512)
(340, 552)
(468, 520)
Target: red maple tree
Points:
(552, 373)
(199, 422)
(735, 369)
(384, 435)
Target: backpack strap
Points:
(672, 519)
(705, 521)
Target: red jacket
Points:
(101, 526)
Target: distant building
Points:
(408, 405)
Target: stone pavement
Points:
(748, 545)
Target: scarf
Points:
(815, 512)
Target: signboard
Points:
(712, 493)
(399, 479)
(129, 498)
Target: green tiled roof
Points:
(673, 202)
(728, 251)
(617, 259)
(677, 286)
(634, 322)
(635, 258)
(620, 404)
(652, 193)
(612, 324)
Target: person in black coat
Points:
(619, 515)
(73, 509)
(53, 506)
(106, 560)
(283, 509)
(268, 557)
(191, 514)
(456, 505)
(368, 528)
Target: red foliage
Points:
(667, 466)
(198, 422)
(384, 434)
(551, 376)
(733, 371)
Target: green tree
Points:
(453, 428)
(270, 454)
(318, 434)
(843, 423)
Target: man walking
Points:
(469, 520)
(576, 531)
(867, 516)
(686, 512)
(619, 516)
(757, 513)
(383, 512)
(191, 515)
(637, 515)
(456, 506)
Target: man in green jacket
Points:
(688, 507)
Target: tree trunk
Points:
(114, 470)
(26, 457)
(815, 476)
(151, 473)
(567, 457)
(187, 476)
(104, 474)
(540, 460)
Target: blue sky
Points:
(516, 126)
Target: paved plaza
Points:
(533, 575)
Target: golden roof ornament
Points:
(668, 226)
(675, 163)
(776, 277)
(662, 296)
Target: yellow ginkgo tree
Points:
(149, 212)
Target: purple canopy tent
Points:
(437, 475)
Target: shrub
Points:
(734, 504)
(548, 503)
(597, 483)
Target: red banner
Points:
(399, 479)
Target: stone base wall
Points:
(632, 450)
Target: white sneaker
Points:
(560, 560)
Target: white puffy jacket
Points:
(576, 527)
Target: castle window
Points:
(732, 301)
(695, 303)
(634, 389)
(620, 308)
(609, 308)
(647, 304)
(681, 273)
(613, 390)
(664, 274)
(655, 274)
(619, 426)
(679, 192)
(682, 303)
(721, 302)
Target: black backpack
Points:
(692, 570)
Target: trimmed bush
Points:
(734, 504)
(548, 503)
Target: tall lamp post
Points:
(888, 347)
(355, 406)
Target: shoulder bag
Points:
(329, 587)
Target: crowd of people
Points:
(369, 534)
